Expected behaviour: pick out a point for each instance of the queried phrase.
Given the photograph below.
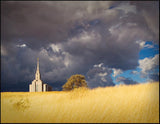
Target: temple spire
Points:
(37, 64)
(37, 75)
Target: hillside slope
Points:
(132, 103)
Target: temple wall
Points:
(41, 87)
(33, 86)
(30, 88)
(44, 87)
(39, 82)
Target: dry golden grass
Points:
(135, 103)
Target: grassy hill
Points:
(131, 103)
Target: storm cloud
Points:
(126, 81)
(72, 37)
(99, 76)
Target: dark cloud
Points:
(124, 80)
(150, 12)
(154, 77)
(40, 23)
(99, 76)
(71, 37)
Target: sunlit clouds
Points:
(148, 64)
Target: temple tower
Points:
(37, 75)
(37, 84)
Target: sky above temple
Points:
(110, 42)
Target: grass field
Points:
(131, 103)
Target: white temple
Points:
(37, 84)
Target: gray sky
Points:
(72, 38)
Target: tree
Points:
(75, 81)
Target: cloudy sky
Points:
(110, 42)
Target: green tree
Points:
(75, 81)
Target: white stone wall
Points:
(30, 88)
(44, 87)
(39, 82)
(38, 86)
(33, 86)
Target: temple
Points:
(37, 84)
